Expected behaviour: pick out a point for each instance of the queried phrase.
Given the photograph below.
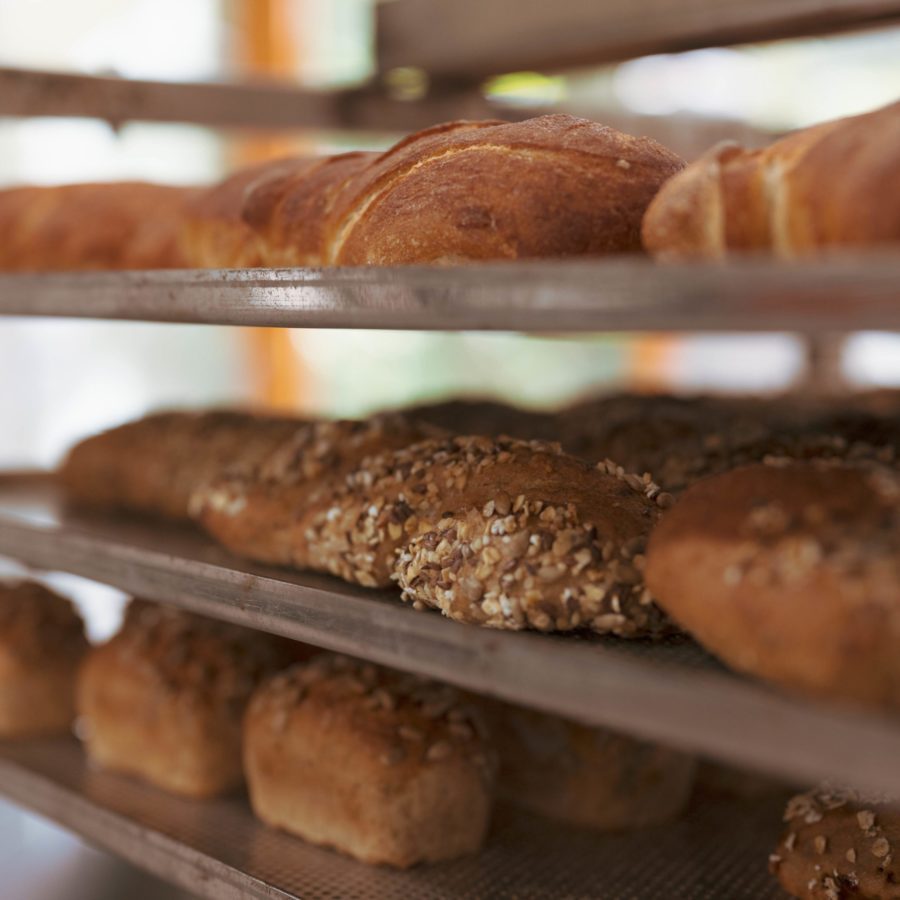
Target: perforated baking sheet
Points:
(217, 849)
(671, 693)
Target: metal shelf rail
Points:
(672, 693)
(836, 294)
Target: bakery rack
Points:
(674, 693)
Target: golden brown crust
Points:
(790, 571)
(585, 776)
(213, 234)
(833, 185)
(839, 844)
(263, 510)
(154, 465)
(164, 698)
(42, 643)
(551, 186)
(383, 766)
(125, 225)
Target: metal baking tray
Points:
(673, 693)
(618, 294)
(217, 850)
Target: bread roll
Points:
(585, 776)
(839, 843)
(164, 698)
(154, 465)
(41, 645)
(382, 766)
(830, 186)
(789, 571)
(127, 225)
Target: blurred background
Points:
(62, 380)
(73, 377)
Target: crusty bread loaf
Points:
(832, 185)
(164, 698)
(790, 571)
(585, 776)
(42, 643)
(385, 767)
(154, 464)
(126, 225)
(497, 532)
(839, 843)
(463, 191)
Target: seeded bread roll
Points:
(263, 511)
(833, 185)
(438, 516)
(42, 643)
(789, 571)
(129, 225)
(164, 698)
(839, 844)
(154, 464)
(382, 766)
(585, 776)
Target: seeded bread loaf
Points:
(585, 776)
(833, 185)
(164, 698)
(789, 571)
(498, 532)
(382, 766)
(839, 844)
(154, 464)
(42, 643)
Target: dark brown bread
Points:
(839, 844)
(154, 465)
(585, 776)
(164, 698)
(42, 643)
(789, 571)
(127, 225)
(386, 767)
(829, 186)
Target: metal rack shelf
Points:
(673, 693)
(512, 35)
(622, 294)
(217, 850)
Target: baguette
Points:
(382, 766)
(126, 225)
(830, 186)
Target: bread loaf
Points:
(42, 643)
(497, 532)
(839, 843)
(789, 571)
(831, 186)
(585, 776)
(126, 225)
(385, 767)
(154, 464)
(164, 698)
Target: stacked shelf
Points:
(674, 693)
